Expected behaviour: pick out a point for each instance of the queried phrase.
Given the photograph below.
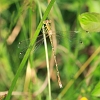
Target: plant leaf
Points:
(96, 90)
(90, 21)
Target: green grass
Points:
(78, 62)
(28, 50)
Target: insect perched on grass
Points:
(71, 39)
(49, 32)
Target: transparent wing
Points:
(71, 38)
(24, 45)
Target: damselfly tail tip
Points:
(60, 85)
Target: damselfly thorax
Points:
(47, 25)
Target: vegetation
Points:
(24, 69)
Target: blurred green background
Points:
(78, 70)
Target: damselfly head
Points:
(47, 22)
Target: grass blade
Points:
(29, 50)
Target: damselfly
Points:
(49, 33)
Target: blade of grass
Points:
(29, 50)
(46, 53)
(47, 61)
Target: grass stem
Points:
(21, 66)
(47, 58)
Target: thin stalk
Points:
(47, 58)
(21, 66)
(47, 61)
